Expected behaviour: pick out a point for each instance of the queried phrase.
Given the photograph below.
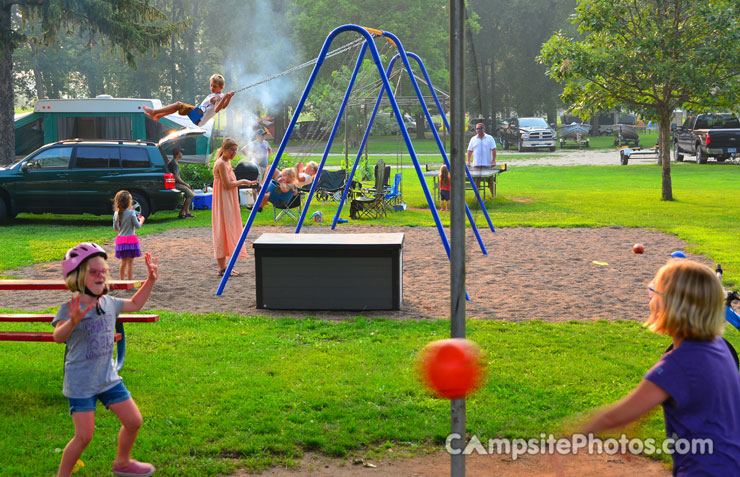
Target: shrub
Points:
(197, 175)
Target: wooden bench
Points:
(48, 337)
(59, 284)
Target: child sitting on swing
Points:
(214, 102)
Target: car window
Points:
(132, 157)
(96, 157)
(54, 158)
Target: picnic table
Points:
(486, 174)
(48, 337)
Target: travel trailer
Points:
(105, 117)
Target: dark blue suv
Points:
(82, 176)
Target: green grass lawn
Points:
(218, 391)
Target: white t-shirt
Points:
(208, 108)
(304, 179)
(482, 155)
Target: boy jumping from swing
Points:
(214, 102)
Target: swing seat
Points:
(195, 115)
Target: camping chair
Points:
(331, 185)
(289, 209)
(371, 205)
(393, 196)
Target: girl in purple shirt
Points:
(697, 382)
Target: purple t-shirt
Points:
(704, 386)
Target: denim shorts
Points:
(114, 395)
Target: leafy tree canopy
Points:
(649, 54)
(653, 55)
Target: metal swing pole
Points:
(457, 217)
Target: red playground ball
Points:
(451, 368)
(638, 248)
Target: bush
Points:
(197, 175)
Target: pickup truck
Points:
(528, 133)
(707, 135)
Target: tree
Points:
(654, 56)
(133, 27)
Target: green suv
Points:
(82, 176)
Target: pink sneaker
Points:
(134, 469)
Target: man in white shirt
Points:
(259, 151)
(482, 149)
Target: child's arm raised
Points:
(75, 313)
(223, 102)
(137, 302)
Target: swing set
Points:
(367, 42)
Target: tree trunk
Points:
(39, 80)
(420, 119)
(492, 96)
(7, 123)
(665, 153)
(190, 89)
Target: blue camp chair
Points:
(393, 196)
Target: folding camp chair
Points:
(371, 204)
(331, 185)
(393, 196)
(281, 208)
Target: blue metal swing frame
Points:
(369, 43)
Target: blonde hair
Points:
(313, 166)
(75, 281)
(227, 144)
(121, 202)
(444, 176)
(692, 301)
(218, 79)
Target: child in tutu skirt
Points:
(125, 222)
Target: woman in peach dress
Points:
(227, 218)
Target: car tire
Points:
(701, 156)
(3, 211)
(140, 205)
(677, 156)
(552, 149)
(520, 146)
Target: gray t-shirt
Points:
(89, 368)
(129, 222)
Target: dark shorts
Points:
(114, 395)
(444, 194)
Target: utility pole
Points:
(457, 215)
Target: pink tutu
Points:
(127, 246)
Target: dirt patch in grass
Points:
(529, 273)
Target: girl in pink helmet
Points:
(86, 323)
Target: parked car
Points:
(78, 176)
(707, 135)
(528, 133)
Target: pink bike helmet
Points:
(78, 254)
